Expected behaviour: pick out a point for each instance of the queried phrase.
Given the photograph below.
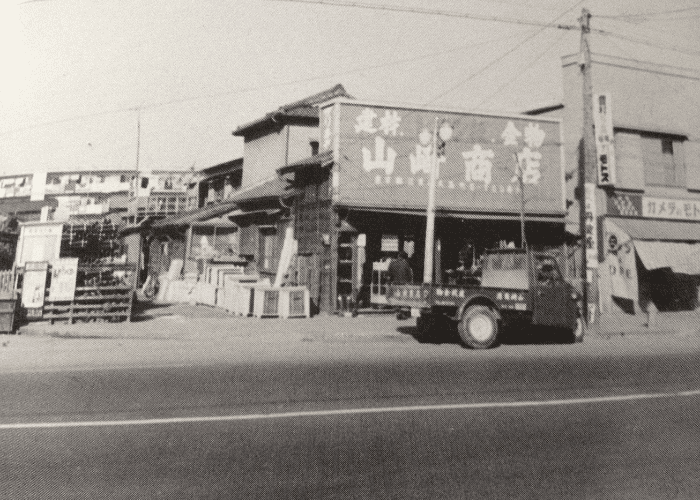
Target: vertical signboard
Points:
(63, 275)
(39, 243)
(591, 227)
(620, 258)
(34, 285)
(385, 153)
(329, 142)
(604, 140)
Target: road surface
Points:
(607, 419)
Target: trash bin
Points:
(8, 308)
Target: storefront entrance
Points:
(459, 243)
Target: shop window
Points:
(663, 160)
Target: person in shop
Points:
(468, 272)
(400, 273)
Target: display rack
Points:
(102, 292)
(97, 286)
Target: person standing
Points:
(400, 273)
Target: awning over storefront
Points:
(462, 215)
(680, 257)
(664, 244)
(661, 230)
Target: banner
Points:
(385, 156)
(622, 263)
(63, 275)
(591, 227)
(604, 140)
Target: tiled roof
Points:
(274, 187)
(225, 167)
(304, 108)
(317, 160)
(197, 215)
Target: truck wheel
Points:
(479, 327)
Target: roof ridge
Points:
(335, 91)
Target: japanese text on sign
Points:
(386, 156)
(604, 139)
(664, 208)
(591, 227)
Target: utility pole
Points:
(138, 155)
(586, 170)
(521, 183)
(430, 222)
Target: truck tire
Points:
(479, 327)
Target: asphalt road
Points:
(607, 419)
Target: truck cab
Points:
(518, 287)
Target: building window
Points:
(267, 247)
(663, 161)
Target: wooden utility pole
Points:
(428, 260)
(138, 156)
(586, 167)
(521, 183)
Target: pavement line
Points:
(347, 411)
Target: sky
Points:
(79, 76)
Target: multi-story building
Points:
(643, 211)
(360, 171)
(119, 194)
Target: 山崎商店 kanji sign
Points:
(384, 156)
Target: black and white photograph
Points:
(339, 249)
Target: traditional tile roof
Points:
(275, 187)
(317, 160)
(225, 167)
(302, 109)
(184, 219)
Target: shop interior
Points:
(459, 245)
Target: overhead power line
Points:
(650, 14)
(530, 65)
(504, 55)
(656, 45)
(247, 89)
(434, 12)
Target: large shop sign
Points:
(384, 156)
(636, 205)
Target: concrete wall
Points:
(644, 97)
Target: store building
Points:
(363, 196)
(644, 208)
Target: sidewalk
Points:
(184, 321)
(668, 323)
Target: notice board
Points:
(63, 275)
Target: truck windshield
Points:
(507, 262)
